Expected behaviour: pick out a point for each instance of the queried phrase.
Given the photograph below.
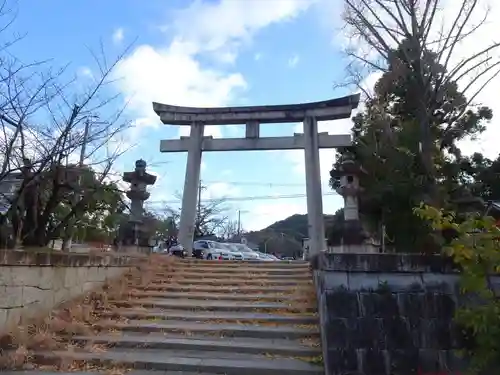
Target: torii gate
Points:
(252, 116)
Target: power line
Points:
(241, 199)
(253, 183)
(242, 183)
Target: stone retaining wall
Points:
(388, 314)
(32, 284)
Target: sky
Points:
(214, 53)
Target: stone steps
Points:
(227, 363)
(207, 328)
(244, 275)
(216, 281)
(220, 288)
(202, 343)
(162, 314)
(231, 265)
(206, 318)
(209, 305)
(207, 296)
(252, 270)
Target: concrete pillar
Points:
(315, 219)
(191, 183)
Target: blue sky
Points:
(205, 53)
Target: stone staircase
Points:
(209, 317)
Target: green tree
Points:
(482, 176)
(387, 144)
(474, 245)
(98, 215)
(415, 45)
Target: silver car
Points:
(266, 257)
(213, 250)
(248, 254)
(237, 255)
(225, 252)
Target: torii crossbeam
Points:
(252, 116)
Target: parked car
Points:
(178, 250)
(225, 252)
(267, 257)
(237, 255)
(246, 252)
(206, 249)
(200, 248)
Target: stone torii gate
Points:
(253, 116)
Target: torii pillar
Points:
(191, 186)
(315, 218)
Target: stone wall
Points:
(32, 284)
(389, 314)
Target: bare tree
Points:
(230, 229)
(417, 28)
(212, 217)
(46, 120)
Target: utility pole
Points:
(239, 222)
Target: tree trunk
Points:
(431, 196)
(36, 238)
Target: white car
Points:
(266, 257)
(273, 257)
(237, 255)
(212, 250)
(246, 252)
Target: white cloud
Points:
(216, 27)
(482, 38)
(293, 61)
(118, 35)
(173, 74)
(263, 215)
(85, 72)
(219, 190)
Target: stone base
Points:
(353, 233)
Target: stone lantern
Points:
(347, 185)
(139, 180)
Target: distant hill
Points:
(286, 234)
(296, 225)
